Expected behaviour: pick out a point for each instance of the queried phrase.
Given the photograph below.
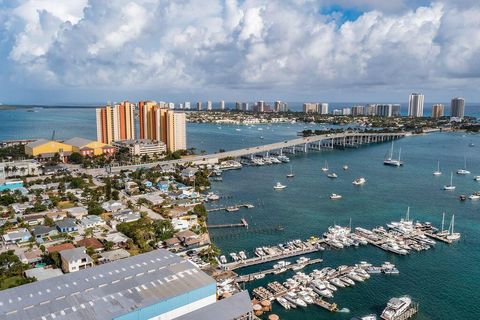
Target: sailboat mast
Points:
(399, 154)
(453, 222)
(443, 220)
(391, 151)
(438, 166)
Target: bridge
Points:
(303, 144)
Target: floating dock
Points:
(326, 305)
(252, 276)
(243, 224)
(437, 237)
(231, 208)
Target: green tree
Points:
(163, 229)
(76, 158)
(94, 208)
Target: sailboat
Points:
(464, 169)
(325, 167)
(290, 175)
(437, 172)
(450, 186)
(443, 232)
(390, 161)
(452, 235)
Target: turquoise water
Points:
(445, 280)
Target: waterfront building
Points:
(322, 108)
(457, 108)
(245, 106)
(438, 110)
(153, 285)
(337, 112)
(371, 110)
(396, 110)
(280, 106)
(142, 147)
(115, 122)
(45, 149)
(222, 105)
(346, 111)
(176, 131)
(187, 105)
(260, 106)
(19, 168)
(199, 106)
(89, 148)
(180, 106)
(309, 107)
(358, 111)
(209, 105)
(415, 105)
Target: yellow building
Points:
(89, 147)
(46, 148)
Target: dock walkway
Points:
(243, 223)
(231, 208)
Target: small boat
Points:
(476, 178)
(223, 260)
(234, 256)
(290, 175)
(464, 170)
(337, 282)
(283, 302)
(292, 297)
(345, 167)
(452, 235)
(396, 307)
(332, 175)
(437, 172)
(462, 197)
(474, 196)
(450, 186)
(335, 196)
(279, 186)
(259, 276)
(347, 281)
(283, 158)
(242, 255)
(325, 167)
(367, 317)
(359, 181)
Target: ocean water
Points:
(444, 280)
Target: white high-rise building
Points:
(415, 105)
(209, 105)
(323, 108)
(222, 105)
(171, 105)
(187, 105)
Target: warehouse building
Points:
(89, 148)
(155, 285)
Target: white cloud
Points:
(276, 46)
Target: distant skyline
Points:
(87, 52)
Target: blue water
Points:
(445, 280)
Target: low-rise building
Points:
(20, 168)
(114, 255)
(93, 243)
(189, 172)
(90, 148)
(77, 212)
(112, 205)
(60, 247)
(75, 259)
(17, 236)
(40, 232)
(34, 219)
(66, 225)
(142, 147)
(42, 273)
(92, 221)
(118, 239)
(48, 149)
(56, 215)
(126, 215)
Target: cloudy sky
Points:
(88, 51)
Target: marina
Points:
(230, 208)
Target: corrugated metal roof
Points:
(37, 143)
(105, 291)
(78, 142)
(226, 309)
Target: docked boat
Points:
(259, 252)
(464, 170)
(280, 270)
(347, 280)
(359, 181)
(212, 196)
(449, 187)
(337, 282)
(223, 260)
(290, 175)
(391, 161)
(259, 276)
(367, 317)
(242, 255)
(332, 175)
(325, 167)
(292, 297)
(281, 264)
(279, 186)
(234, 256)
(283, 158)
(396, 307)
(451, 234)
(437, 172)
(232, 209)
(283, 302)
(354, 276)
(335, 196)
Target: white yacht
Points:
(292, 297)
(437, 172)
(464, 170)
(345, 167)
(337, 282)
(332, 175)
(283, 158)
(281, 264)
(476, 178)
(396, 307)
(367, 317)
(283, 302)
(325, 167)
(234, 256)
(223, 260)
(359, 181)
(242, 255)
(279, 186)
(390, 161)
(451, 234)
(449, 187)
(335, 196)
(474, 196)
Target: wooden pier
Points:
(252, 276)
(231, 208)
(259, 260)
(243, 224)
(437, 237)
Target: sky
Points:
(92, 51)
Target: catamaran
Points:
(449, 187)
(290, 175)
(390, 161)
(325, 167)
(464, 169)
(437, 172)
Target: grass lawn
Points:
(65, 205)
(11, 282)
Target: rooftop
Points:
(105, 291)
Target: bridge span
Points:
(303, 144)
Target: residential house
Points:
(60, 247)
(163, 185)
(126, 215)
(77, 212)
(57, 215)
(21, 207)
(31, 256)
(34, 219)
(17, 236)
(66, 225)
(112, 206)
(119, 239)
(75, 259)
(92, 221)
(42, 273)
(131, 187)
(154, 198)
(113, 255)
(180, 224)
(40, 232)
(93, 243)
(189, 173)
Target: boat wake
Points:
(344, 310)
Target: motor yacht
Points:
(359, 181)
(332, 175)
(335, 196)
(396, 307)
(283, 302)
(279, 186)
